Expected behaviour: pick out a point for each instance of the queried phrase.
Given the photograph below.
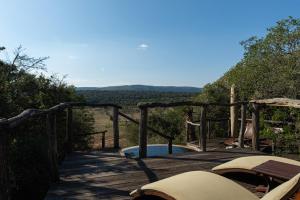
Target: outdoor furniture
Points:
(200, 185)
(269, 166)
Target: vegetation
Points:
(24, 86)
(270, 68)
(144, 88)
(129, 98)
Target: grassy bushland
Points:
(22, 86)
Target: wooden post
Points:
(4, 177)
(255, 126)
(228, 128)
(190, 130)
(243, 125)
(170, 146)
(233, 113)
(143, 133)
(203, 128)
(69, 132)
(116, 127)
(52, 147)
(103, 140)
(208, 129)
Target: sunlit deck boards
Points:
(107, 175)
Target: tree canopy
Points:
(270, 66)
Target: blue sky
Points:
(155, 42)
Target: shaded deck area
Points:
(108, 175)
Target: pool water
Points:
(154, 150)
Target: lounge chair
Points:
(272, 166)
(200, 185)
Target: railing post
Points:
(170, 146)
(52, 146)
(116, 127)
(103, 140)
(243, 125)
(203, 128)
(233, 113)
(69, 132)
(255, 126)
(228, 128)
(4, 178)
(190, 130)
(143, 133)
(208, 129)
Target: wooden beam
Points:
(185, 103)
(255, 124)
(116, 127)
(203, 129)
(280, 102)
(233, 113)
(143, 133)
(190, 130)
(170, 146)
(243, 125)
(52, 147)
(149, 128)
(4, 172)
(208, 129)
(69, 131)
(103, 140)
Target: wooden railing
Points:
(51, 129)
(144, 107)
(7, 124)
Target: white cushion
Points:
(198, 185)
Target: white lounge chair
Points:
(200, 185)
(273, 166)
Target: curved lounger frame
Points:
(247, 164)
(199, 185)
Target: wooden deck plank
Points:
(108, 175)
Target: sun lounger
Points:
(273, 166)
(200, 185)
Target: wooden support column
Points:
(103, 140)
(69, 132)
(116, 127)
(255, 126)
(52, 147)
(203, 128)
(170, 146)
(4, 177)
(143, 133)
(190, 130)
(233, 113)
(228, 128)
(243, 125)
(208, 129)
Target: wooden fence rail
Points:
(202, 125)
(51, 129)
(50, 116)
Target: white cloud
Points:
(143, 47)
(71, 57)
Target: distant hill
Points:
(146, 88)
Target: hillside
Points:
(131, 98)
(144, 88)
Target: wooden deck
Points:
(108, 175)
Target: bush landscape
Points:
(269, 68)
